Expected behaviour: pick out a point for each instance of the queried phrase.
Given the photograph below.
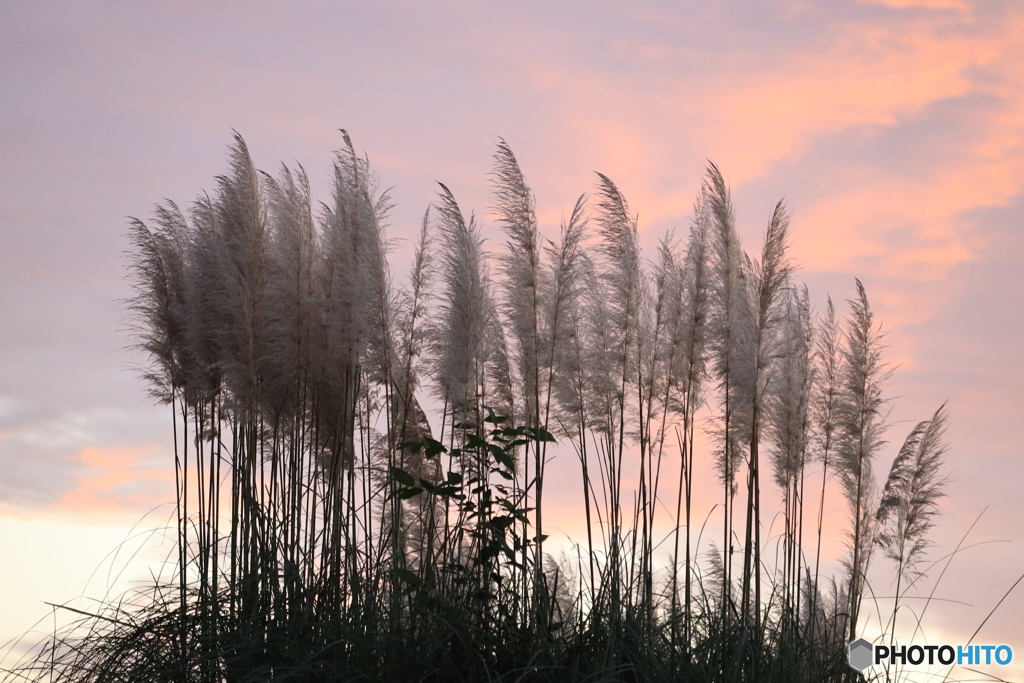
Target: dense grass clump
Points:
(360, 467)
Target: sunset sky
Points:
(894, 130)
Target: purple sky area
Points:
(894, 130)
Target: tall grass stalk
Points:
(732, 338)
(769, 278)
(860, 424)
(910, 498)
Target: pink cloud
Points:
(117, 481)
(650, 128)
(959, 5)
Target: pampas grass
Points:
(360, 466)
(860, 425)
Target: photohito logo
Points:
(863, 654)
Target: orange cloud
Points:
(651, 128)
(959, 5)
(118, 481)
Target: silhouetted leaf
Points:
(402, 477)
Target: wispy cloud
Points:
(72, 461)
(119, 481)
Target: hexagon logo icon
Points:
(861, 654)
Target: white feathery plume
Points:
(828, 356)
(460, 337)
(293, 298)
(603, 391)
(689, 336)
(410, 422)
(660, 322)
(668, 278)
(909, 500)
(621, 270)
(574, 374)
(860, 421)
(411, 309)
(768, 283)
(521, 270)
(499, 383)
(357, 253)
(356, 284)
(568, 265)
(788, 401)
(613, 310)
(239, 245)
(204, 300)
(158, 267)
(731, 330)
